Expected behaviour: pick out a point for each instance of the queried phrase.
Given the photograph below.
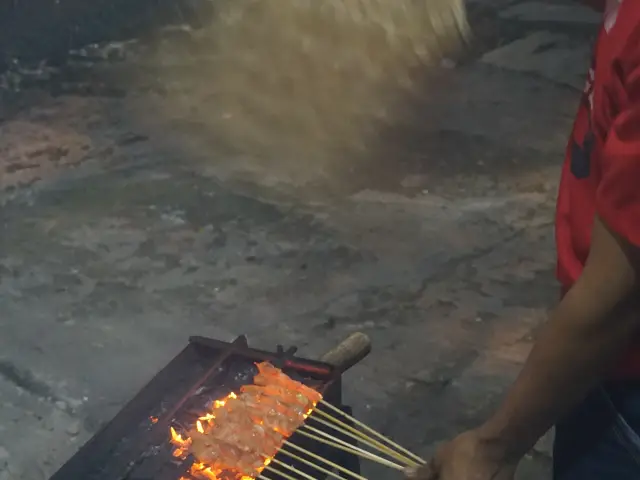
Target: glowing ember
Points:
(237, 438)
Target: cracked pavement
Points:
(117, 244)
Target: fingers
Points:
(432, 471)
(412, 473)
(424, 472)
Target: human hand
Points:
(467, 457)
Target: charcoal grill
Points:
(135, 444)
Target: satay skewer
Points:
(368, 429)
(269, 376)
(294, 469)
(357, 435)
(324, 460)
(279, 392)
(311, 464)
(354, 450)
(281, 473)
(348, 447)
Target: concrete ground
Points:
(117, 244)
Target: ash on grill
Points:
(136, 445)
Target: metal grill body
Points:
(135, 445)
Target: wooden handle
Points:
(352, 349)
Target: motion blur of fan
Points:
(306, 79)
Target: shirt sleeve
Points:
(618, 194)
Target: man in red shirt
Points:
(583, 374)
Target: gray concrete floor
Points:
(120, 244)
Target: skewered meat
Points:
(242, 432)
(224, 456)
(269, 375)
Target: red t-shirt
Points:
(601, 172)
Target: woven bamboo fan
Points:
(314, 79)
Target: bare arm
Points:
(582, 339)
(596, 320)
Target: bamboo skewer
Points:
(311, 464)
(324, 460)
(281, 473)
(389, 447)
(349, 445)
(371, 431)
(355, 450)
(343, 427)
(293, 469)
(357, 435)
